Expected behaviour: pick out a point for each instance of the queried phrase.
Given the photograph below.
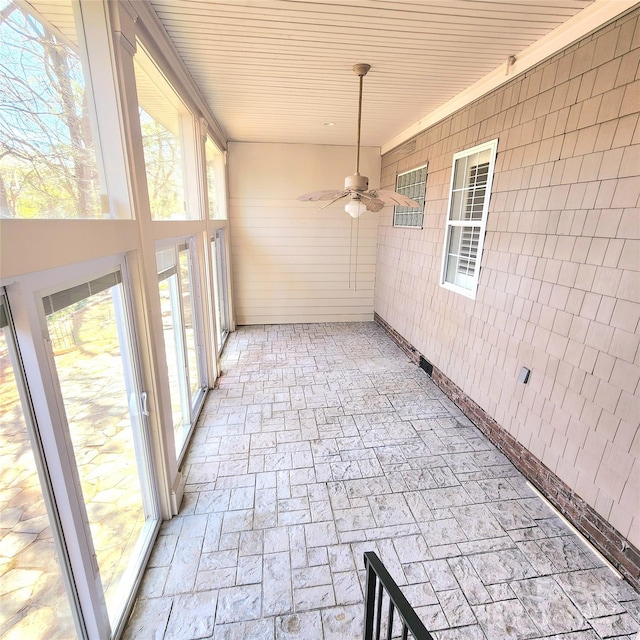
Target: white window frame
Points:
(43, 471)
(191, 404)
(219, 177)
(89, 19)
(423, 198)
(187, 136)
(218, 247)
(25, 298)
(470, 288)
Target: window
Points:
(467, 217)
(412, 184)
(167, 138)
(215, 181)
(48, 166)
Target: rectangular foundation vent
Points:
(426, 366)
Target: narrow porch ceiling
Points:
(276, 70)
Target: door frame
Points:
(25, 295)
(195, 402)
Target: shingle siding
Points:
(559, 289)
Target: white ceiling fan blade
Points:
(333, 194)
(372, 203)
(341, 194)
(393, 197)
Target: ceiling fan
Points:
(355, 186)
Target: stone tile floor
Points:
(323, 441)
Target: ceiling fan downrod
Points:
(356, 187)
(360, 70)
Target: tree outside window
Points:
(48, 166)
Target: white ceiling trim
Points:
(160, 46)
(580, 25)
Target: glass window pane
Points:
(163, 164)
(469, 250)
(161, 121)
(456, 205)
(462, 253)
(216, 294)
(221, 305)
(413, 185)
(460, 173)
(215, 181)
(48, 166)
(455, 237)
(475, 192)
(95, 382)
(483, 157)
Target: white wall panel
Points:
(291, 264)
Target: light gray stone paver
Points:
(321, 442)
(545, 603)
(505, 620)
(250, 630)
(192, 616)
(149, 619)
(299, 626)
(237, 604)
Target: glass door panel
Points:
(171, 325)
(177, 283)
(220, 287)
(91, 351)
(216, 296)
(190, 327)
(34, 599)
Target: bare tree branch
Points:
(47, 160)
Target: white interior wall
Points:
(291, 264)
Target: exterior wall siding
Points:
(559, 289)
(623, 555)
(289, 262)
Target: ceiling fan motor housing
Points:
(356, 183)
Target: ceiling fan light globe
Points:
(355, 208)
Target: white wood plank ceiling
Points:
(276, 70)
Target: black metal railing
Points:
(381, 586)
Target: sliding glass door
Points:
(34, 598)
(90, 336)
(78, 501)
(178, 286)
